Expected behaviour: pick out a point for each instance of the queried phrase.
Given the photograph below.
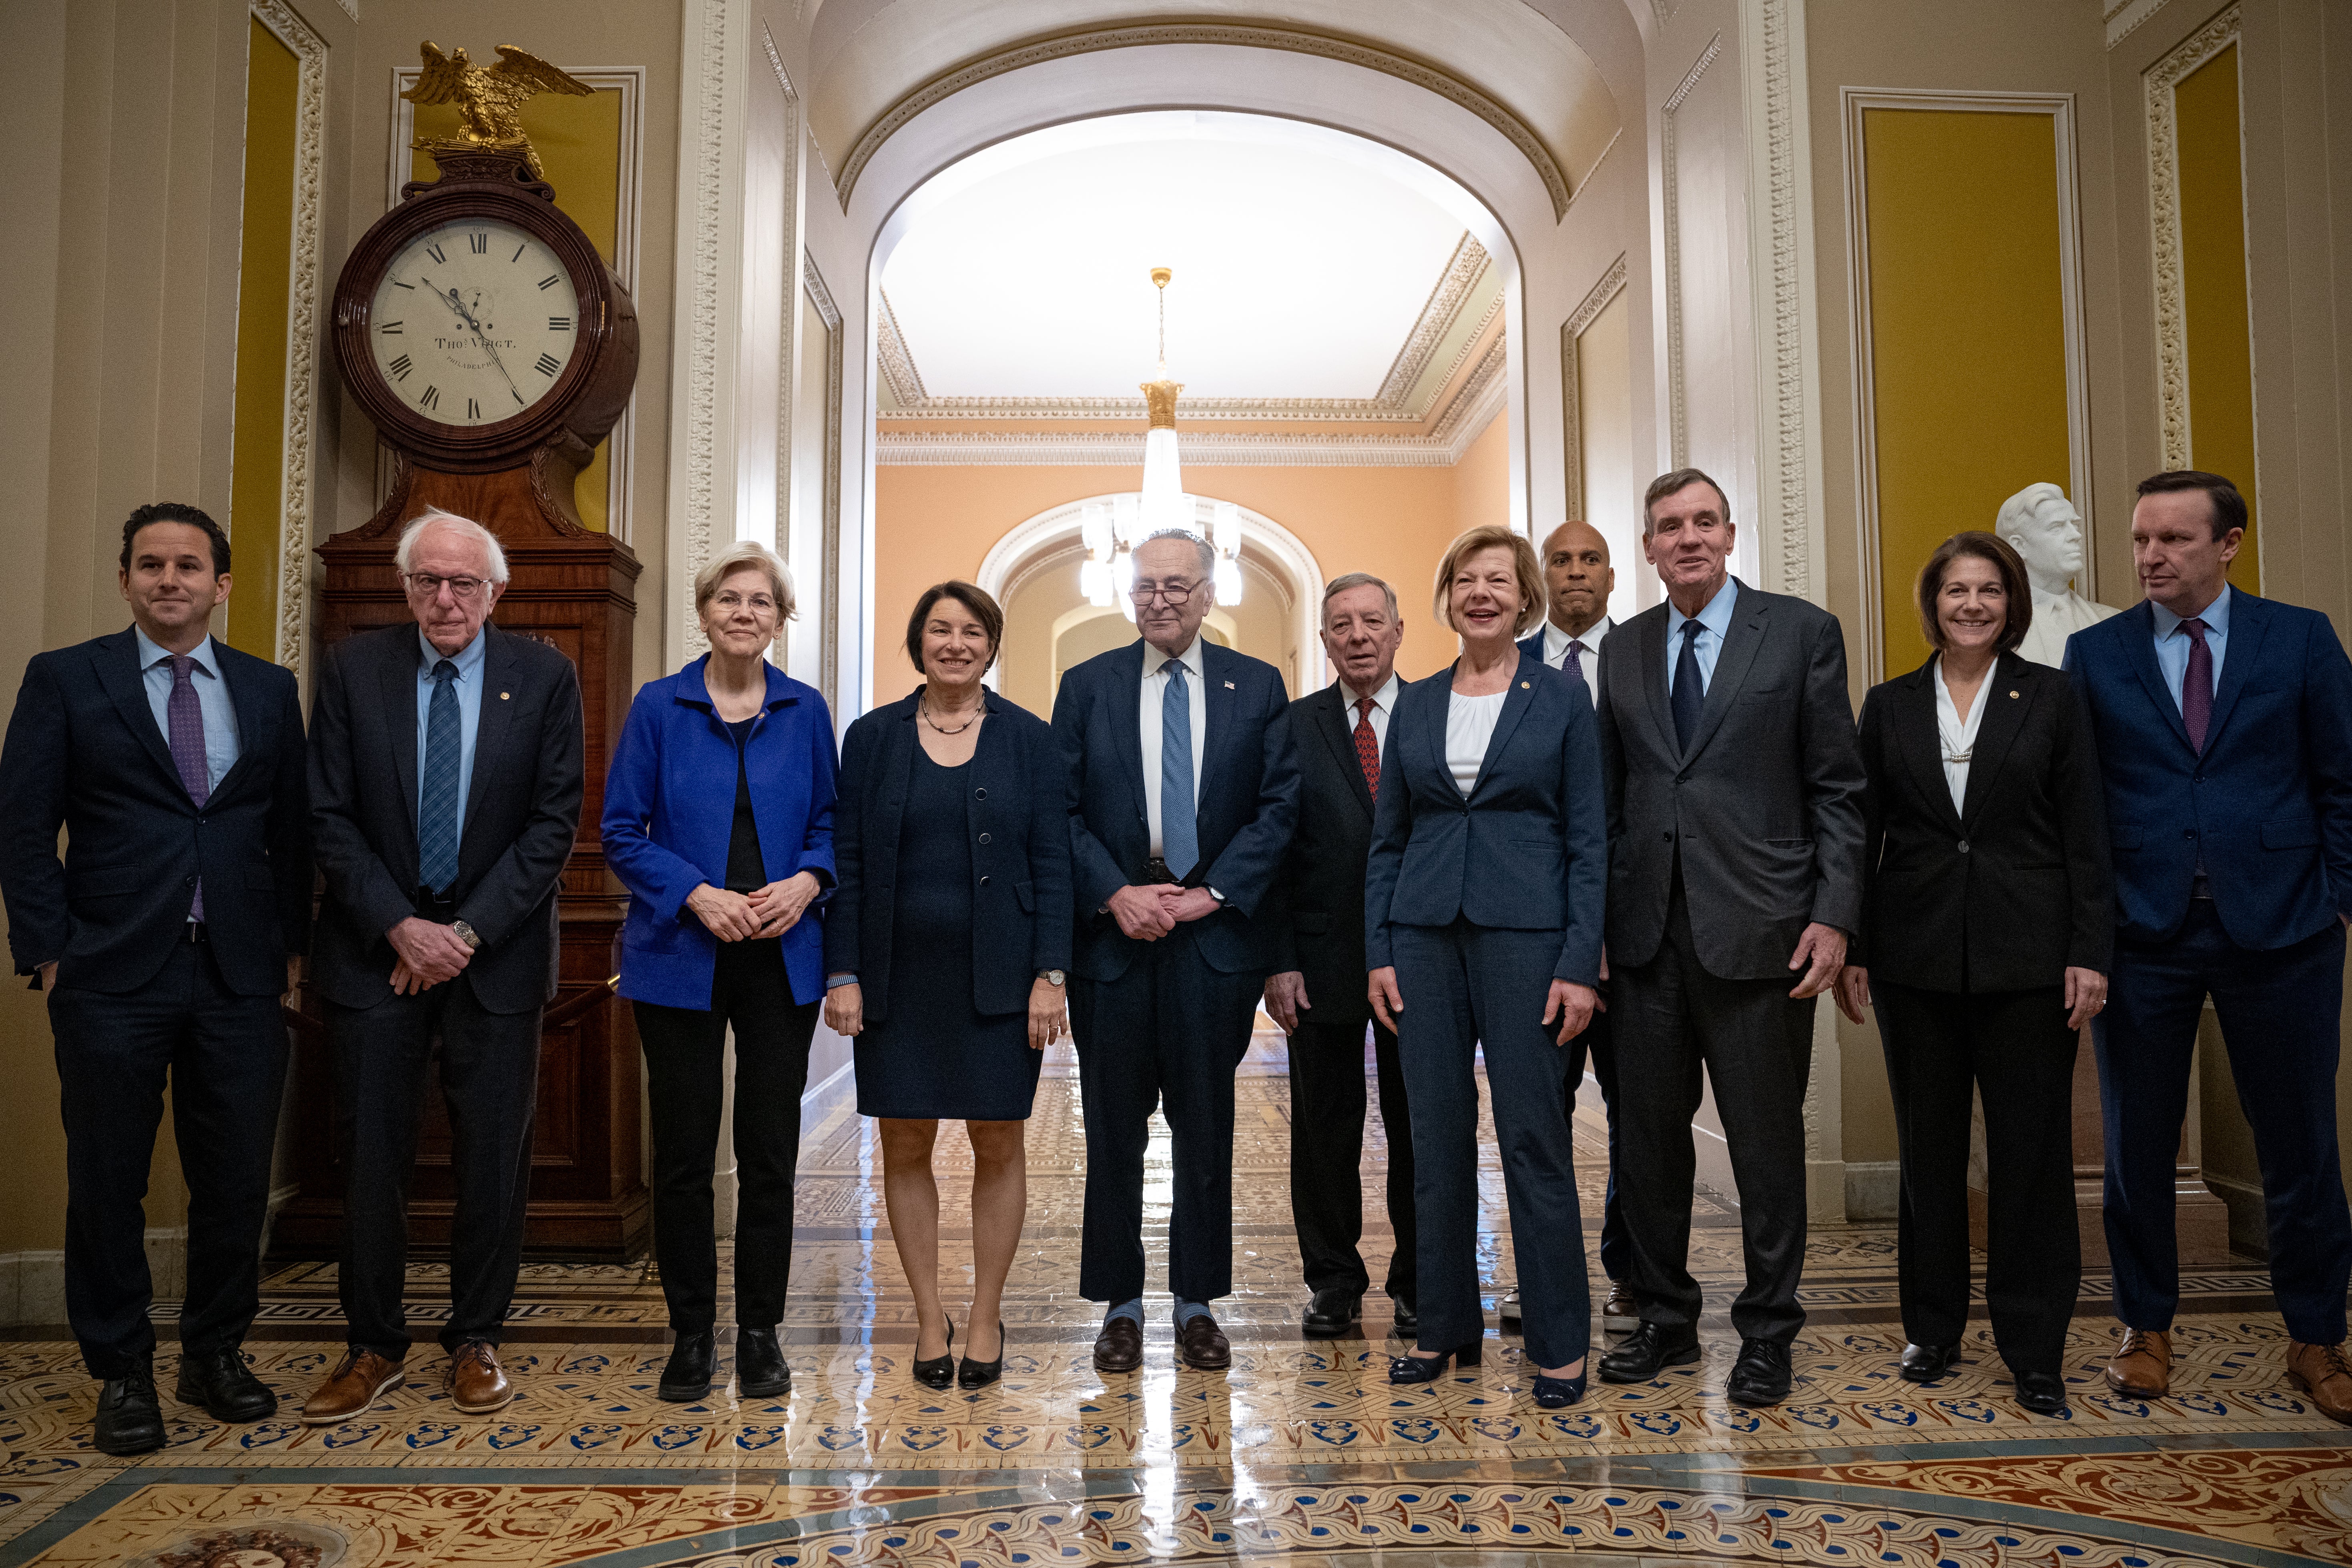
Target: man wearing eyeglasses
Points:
(446, 762)
(1186, 792)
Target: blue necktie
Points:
(437, 815)
(1689, 694)
(1180, 831)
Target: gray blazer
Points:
(1766, 810)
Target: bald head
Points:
(1578, 578)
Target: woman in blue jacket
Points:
(1483, 904)
(945, 948)
(719, 819)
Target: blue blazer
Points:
(2269, 802)
(1248, 805)
(1017, 812)
(1528, 850)
(669, 811)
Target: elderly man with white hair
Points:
(447, 765)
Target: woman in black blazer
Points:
(945, 948)
(1483, 903)
(1988, 926)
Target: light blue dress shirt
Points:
(1715, 621)
(469, 661)
(2172, 644)
(212, 696)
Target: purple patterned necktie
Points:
(2197, 684)
(185, 722)
(1574, 664)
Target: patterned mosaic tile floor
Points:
(1303, 1453)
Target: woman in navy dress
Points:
(945, 948)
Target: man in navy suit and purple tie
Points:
(2225, 736)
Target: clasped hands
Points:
(1147, 914)
(769, 911)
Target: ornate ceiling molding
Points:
(1445, 302)
(2124, 18)
(1228, 35)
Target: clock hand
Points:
(457, 304)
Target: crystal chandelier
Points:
(1112, 529)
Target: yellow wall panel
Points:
(265, 286)
(1968, 346)
(2213, 282)
(579, 144)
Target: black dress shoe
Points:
(977, 1373)
(1119, 1346)
(760, 1369)
(1506, 1310)
(1331, 1312)
(222, 1384)
(2044, 1392)
(1925, 1363)
(938, 1371)
(1760, 1376)
(1645, 1351)
(687, 1377)
(130, 1418)
(1405, 1315)
(1202, 1345)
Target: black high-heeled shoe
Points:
(975, 1373)
(937, 1371)
(1411, 1369)
(1558, 1392)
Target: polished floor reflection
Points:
(1302, 1453)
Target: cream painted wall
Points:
(1612, 499)
(1482, 481)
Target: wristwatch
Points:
(1051, 976)
(466, 934)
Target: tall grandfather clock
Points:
(478, 328)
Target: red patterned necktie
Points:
(1368, 747)
(2197, 684)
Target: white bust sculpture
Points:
(2041, 525)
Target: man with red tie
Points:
(1318, 993)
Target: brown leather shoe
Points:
(1119, 1346)
(1202, 1345)
(2320, 1372)
(476, 1384)
(2142, 1368)
(1620, 1313)
(359, 1380)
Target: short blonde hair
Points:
(1523, 565)
(746, 554)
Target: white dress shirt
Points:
(1384, 704)
(1555, 650)
(1715, 624)
(1155, 685)
(212, 700)
(1957, 736)
(2172, 644)
(1469, 726)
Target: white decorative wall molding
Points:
(351, 8)
(304, 342)
(1678, 439)
(2164, 200)
(1229, 35)
(2124, 18)
(1572, 391)
(1445, 301)
(709, 178)
(829, 523)
(1790, 451)
(1856, 102)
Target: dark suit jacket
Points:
(2009, 893)
(522, 814)
(1526, 851)
(1247, 807)
(1017, 817)
(1322, 884)
(84, 753)
(2270, 801)
(1766, 810)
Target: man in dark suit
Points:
(445, 773)
(1186, 794)
(165, 941)
(1578, 580)
(1735, 858)
(1319, 995)
(2224, 727)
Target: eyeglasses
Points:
(1177, 594)
(729, 600)
(430, 586)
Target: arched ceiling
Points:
(868, 56)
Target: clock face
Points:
(473, 322)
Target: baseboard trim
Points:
(1872, 1189)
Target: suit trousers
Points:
(1466, 987)
(686, 1055)
(2279, 1012)
(224, 1057)
(1598, 1044)
(2015, 1048)
(1674, 1020)
(489, 1064)
(1166, 1035)
(1326, 1153)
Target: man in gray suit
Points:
(1735, 858)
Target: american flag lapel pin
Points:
(1229, 686)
